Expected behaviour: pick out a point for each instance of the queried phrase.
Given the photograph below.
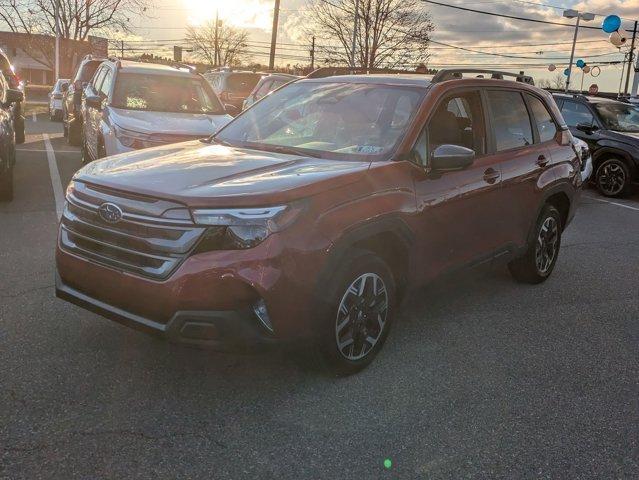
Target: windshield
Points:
(86, 72)
(242, 82)
(619, 117)
(165, 93)
(337, 120)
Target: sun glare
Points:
(239, 13)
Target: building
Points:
(33, 56)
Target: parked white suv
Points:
(133, 105)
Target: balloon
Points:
(567, 72)
(581, 63)
(552, 67)
(617, 39)
(611, 23)
(586, 69)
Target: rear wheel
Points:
(356, 314)
(86, 157)
(6, 185)
(74, 134)
(613, 178)
(541, 256)
(19, 129)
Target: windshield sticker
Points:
(368, 149)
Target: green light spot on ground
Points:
(388, 463)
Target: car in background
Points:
(8, 99)
(14, 83)
(307, 217)
(55, 98)
(266, 85)
(132, 105)
(232, 87)
(72, 99)
(611, 130)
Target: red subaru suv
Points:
(309, 216)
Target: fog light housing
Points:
(262, 315)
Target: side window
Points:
(545, 123)
(575, 113)
(458, 120)
(264, 89)
(105, 87)
(510, 119)
(97, 79)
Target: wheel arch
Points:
(389, 238)
(604, 153)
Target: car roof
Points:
(413, 79)
(130, 66)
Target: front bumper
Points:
(219, 330)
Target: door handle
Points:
(491, 175)
(542, 161)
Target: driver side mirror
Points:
(587, 128)
(232, 110)
(13, 96)
(451, 157)
(94, 101)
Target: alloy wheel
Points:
(612, 179)
(361, 316)
(546, 248)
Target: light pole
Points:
(355, 27)
(276, 15)
(586, 17)
(57, 39)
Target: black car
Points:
(8, 98)
(611, 130)
(72, 101)
(13, 82)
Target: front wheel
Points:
(541, 256)
(6, 186)
(356, 313)
(613, 178)
(74, 133)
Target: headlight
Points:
(242, 228)
(131, 139)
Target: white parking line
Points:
(34, 117)
(612, 203)
(56, 183)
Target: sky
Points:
(484, 33)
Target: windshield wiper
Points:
(288, 150)
(217, 141)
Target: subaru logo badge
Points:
(110, 212)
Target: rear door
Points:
(524, 133)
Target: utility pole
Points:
(57, 39)
(355, 28)
(276, 18)
(586, 17)
(122, 48)
(631, 57)
(313, 53)
(216, 53)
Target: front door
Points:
(459, 209)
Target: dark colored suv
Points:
(16, 110)
(611, 130)
(72, 100)
(8, 98)
(308, 217)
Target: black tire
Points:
(19, 130)
(65, 129)
(369, 268)
(6, 186)
(613, 178)
(536, 265)
(74, 134)
(86, 156)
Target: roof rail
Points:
(453, 73)
(324, 72)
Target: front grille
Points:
(144, 242)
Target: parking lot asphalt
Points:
(480, 378)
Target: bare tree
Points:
(229, 42)
(78, 20)
(391, 33)
(558, 81)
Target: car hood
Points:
(200, 174)
(169, 123)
